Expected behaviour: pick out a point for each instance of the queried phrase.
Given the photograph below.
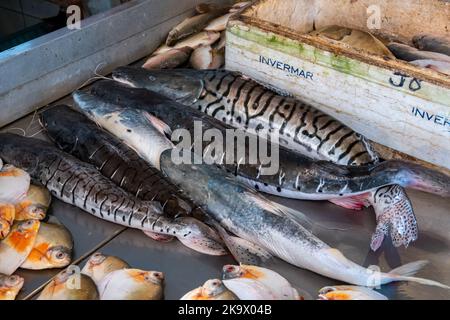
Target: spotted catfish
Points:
(80, 184)
(74, 133)
(245, 104)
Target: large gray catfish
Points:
(81, 185)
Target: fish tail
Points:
(411, 175)
(406, 272)
(395, 214)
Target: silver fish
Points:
(439, 66)
(349, 293)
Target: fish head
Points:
(184, 86)
(155, 277)
(345, 292)
(96, 259)
(28, 226)
(57, 121)
(33, 211)
(59, 256)
(212, 288)
(10, 286)
(7, 215)
(232, 271)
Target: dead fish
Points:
(408, 53)
(99, 266)
(16, 247)
(7, 216)
(278, 286)
(14, 184)
(169, 59)
(69, 285)
(349, 293)
(35, 205)
(439, 66)
(211, 290)
(203, 38)
(205, 58)
(219, 24)
(52, 248)
(206, 7)
(432, 43)
(356, 39)
(10, 286)
(132, 284)
(192, 26)
(80, 184)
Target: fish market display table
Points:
(348, 231)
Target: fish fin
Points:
(160, 125)
(198, 236)
(394, 214)
(357, 202)
(405, 272)
(158, 237)
(245, 252)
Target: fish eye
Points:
(151, 78)
(12, 281)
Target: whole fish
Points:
(16, 247)
(278, 286)
(237, 208)
(251, 216)
(74, 133)
(168, 60)
(203, 38)
(7, 216)
(81, 185)
(99, 266)
(10, 286)
(68, 285)
(349, 293)
(243, 103)
(213, 289)
(192, 25)
(439, 66)
(52, 248)
(34, 205)
(432, 43)
(14, 184)
(408, 53)
(132, 284)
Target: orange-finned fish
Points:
(213, 289)
(16, 247)
(99, 266)
(34, 205)
(7, 215)
(10, 286)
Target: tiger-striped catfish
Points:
(80, 184)
(299, 176)
(74, 133)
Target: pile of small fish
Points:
(105, 278)
(26, 241)
(432, 52)
(199, 40)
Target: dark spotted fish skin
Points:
(74, 133)
(242, 102)
(81, 185)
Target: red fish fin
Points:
(357, 202)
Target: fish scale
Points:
(241, 101)
(80, 184)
